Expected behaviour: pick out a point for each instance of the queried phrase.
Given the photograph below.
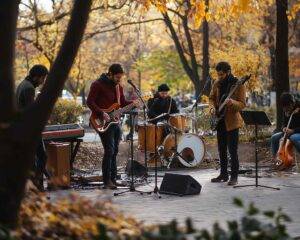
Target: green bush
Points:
(66, 111)
(79, 218)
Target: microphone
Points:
(129, 81)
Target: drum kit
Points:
(172, 139)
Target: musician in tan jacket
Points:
(228, 126)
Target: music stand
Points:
(256, 118)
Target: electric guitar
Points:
(285, 155)
(219, 114)
(114, 112)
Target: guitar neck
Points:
(289, 123)
(229, 96)
(124, 109)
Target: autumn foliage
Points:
(71, 217)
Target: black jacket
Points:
(25, 94)
(160, 106)
(295, 122)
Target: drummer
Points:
(162, 103)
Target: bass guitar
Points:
(114, 112)
(285, 155)
(219, 114)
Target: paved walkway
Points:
(214, 203)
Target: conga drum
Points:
(179, 121)
(149, 129)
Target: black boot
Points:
(233, 181)
(220, 178)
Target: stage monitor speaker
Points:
(138, 169)
(176, 184)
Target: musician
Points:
(289, 104)
(25, 96)
(104, 92)
(228, 128)
(162, 103)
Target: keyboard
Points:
(62, 131)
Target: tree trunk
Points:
(82, 94)
(205, 59)
(198, 88)
(19, 136)
(140, 78)
(191, 71)
(18, 156)
(272, 67)
(282, 58)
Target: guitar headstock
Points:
(243, 79)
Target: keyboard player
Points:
(25, 96)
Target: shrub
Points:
(77, 217)
(66, 111)
(249, 227)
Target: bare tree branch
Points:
(43, 106)
(37, 46)
(90, 35)
(65, 14)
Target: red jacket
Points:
(103, 94)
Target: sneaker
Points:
(118, 184)
(233, 181)
(220, 178)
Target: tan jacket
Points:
(233, 119)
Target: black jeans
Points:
(110, 140)
(40, 162)
(228, 139)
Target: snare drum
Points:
(150, 136)
(179, 121)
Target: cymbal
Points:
(199, 105)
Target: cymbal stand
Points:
(155, 190)
(145, 108)
(131, 186)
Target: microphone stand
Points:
(131, 186)
(156, 190)
(138, 93)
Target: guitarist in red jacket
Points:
(104, 92)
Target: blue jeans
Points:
(275, 139)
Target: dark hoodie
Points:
(103, 94)
(25, 93)
(160, 106)
(295, 122)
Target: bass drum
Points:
(190, 146)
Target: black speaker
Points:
(138, 169)
(176, 184)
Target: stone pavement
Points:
(214, 202)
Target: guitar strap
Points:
(118, 94)
(170, 106)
